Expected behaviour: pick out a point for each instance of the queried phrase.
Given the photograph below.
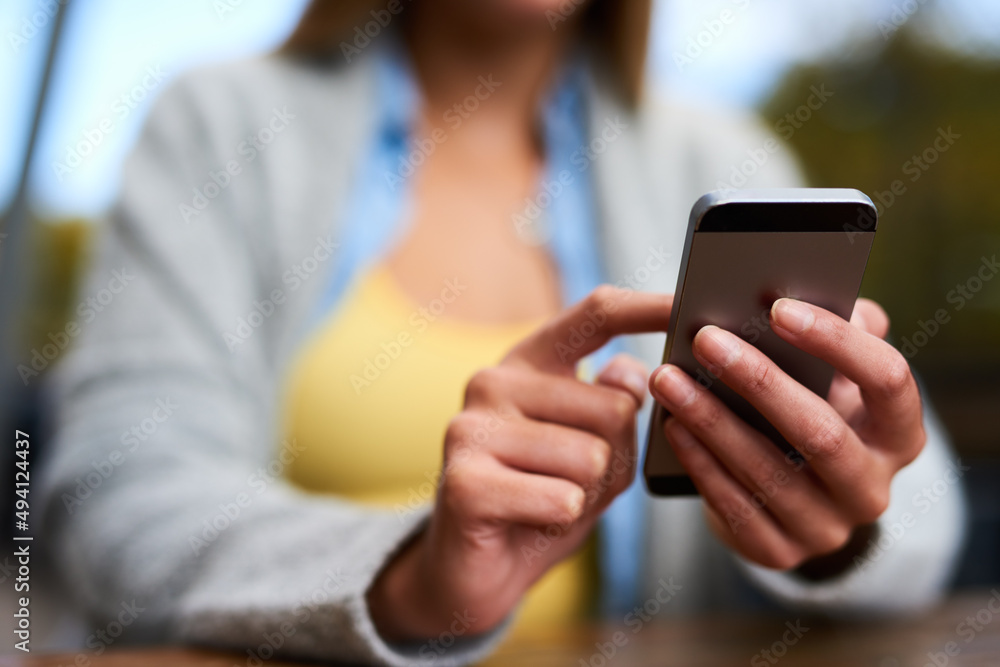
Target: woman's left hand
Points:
(771, 508)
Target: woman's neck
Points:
(456, 50)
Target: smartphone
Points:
(744, 250)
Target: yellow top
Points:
(370, 395)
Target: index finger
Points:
(586, 326)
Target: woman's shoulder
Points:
(222, 95)
(666, 114)
(718, 139)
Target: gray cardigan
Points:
(166, 483)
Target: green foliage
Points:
(886, 109)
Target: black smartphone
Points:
(744, 250)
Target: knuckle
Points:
(897, 379)
(789, 559)
(827, 437)
(599, 453)
(728, 506)
(763, 473)
(459, 428)
(485, 385)
(838, 333)
(831, 538)
(706, 417)
(782, 556)
(563, 507)
(601, 295)
(874, 503)
(760, 377)
(700, 466)
(623, 411)
(911, 453)
(461, 487)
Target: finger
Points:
(870, 318)
(845, 397)
(579, 330)
(887, 385)
(484, 489)
(627, 373)
(552, 449)
(605, 412)
(740, 524)
(789, 491)
(851, 471)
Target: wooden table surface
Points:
(965, 625)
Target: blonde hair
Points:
(618, 30)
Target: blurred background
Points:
(909, 114)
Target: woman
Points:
(365, 248)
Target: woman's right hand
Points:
(530, 463)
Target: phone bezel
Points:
(845, 210)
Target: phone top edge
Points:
(780, 196)
(783, 195)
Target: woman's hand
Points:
(529, 464)
(772, 509)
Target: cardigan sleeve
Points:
(164, 492)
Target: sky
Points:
(117, 56)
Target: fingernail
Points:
(792, 315)
(635, 381)
(673, 387)
(599, 458)
(718, 347)
(575, 504)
